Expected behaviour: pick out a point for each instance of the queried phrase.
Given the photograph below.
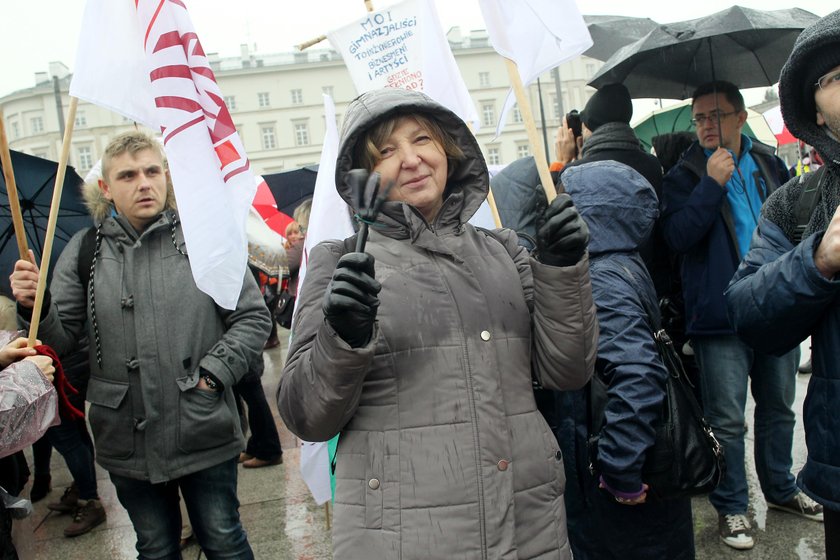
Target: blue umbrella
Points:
(35, 179)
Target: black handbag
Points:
(685, 459)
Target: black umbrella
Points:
(610, 33)
(290, 188)
(743, 46)
(35, 179)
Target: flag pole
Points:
(327, 513)
(49, 236)
(531, 128)
(11, 191)
(306, 44)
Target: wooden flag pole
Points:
(327, 512)
(319, 38)
(11, 191)
(48, 238)
(531, 127)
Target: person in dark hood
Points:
(784, 290)
(614, 517)
(419, 351)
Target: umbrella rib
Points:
(757, 59)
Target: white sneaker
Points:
(800, 505)
(736, 531)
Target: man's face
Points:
(136, 184)
(827, 99)
(705, 111)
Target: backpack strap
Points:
(808, 200)
(86, 252)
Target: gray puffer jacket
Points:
(156, 329)
(442, 453)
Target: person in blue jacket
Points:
(613, 516)
(785, 291)
(710, 206)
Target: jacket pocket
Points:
(375, 483)
(110, 418)
(204, 420)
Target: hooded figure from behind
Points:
(620, 208)
(442, 453)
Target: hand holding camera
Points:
(568, 138)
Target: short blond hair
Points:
(131, 142)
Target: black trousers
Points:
(264, 442)
(831, 521)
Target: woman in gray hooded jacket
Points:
(419, 351)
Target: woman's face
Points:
(417, 165)
(293, 234)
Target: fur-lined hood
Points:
(100, 207)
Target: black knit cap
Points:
(611, 103)
(816, 51)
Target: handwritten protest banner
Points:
(403, 46)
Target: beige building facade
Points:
(277, 105)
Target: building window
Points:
(81, 120)
(484, 79)
(301, 134)
(555, 108)
(327, 90)
(297, 96)
(269, 141)
(488, 114)
(517, 114)
(15, 130)
(230, 101)
(263, 100)
(84, 157)
(523, 150)
(493, 157)
(36, 125)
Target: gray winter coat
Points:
(156, 328)
(442, 453)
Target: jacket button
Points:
(373, 484)
(503, 465)
(558, 455)
(485, 335)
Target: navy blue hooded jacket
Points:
(697, 224)
(778, 297)
(620, 207)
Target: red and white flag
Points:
(143, 59)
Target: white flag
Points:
(403, 46)
(328, 219)
(537, 35)
(143, 59)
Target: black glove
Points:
(562, 235)
(350, 303)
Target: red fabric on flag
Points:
(62, 386)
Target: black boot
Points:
(40, 487)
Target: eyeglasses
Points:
(828, 80)
(712, 118)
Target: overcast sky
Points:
(40, 31)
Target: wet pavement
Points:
(284, 523)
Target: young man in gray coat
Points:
(164, 357)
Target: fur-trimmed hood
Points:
(817, 50)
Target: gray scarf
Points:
(611, 136)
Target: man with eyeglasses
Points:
(788, 286)
(711, 204)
